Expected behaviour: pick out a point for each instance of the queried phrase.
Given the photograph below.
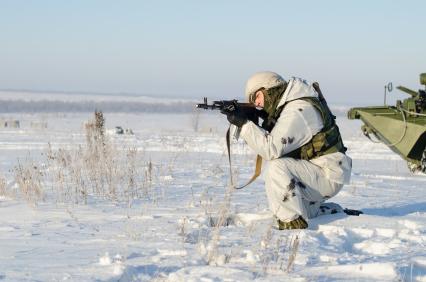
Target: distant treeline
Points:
(52, 106)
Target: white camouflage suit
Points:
(297, 187)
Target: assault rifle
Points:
(249, 109)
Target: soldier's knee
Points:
(277, 167)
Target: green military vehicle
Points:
(402, 127)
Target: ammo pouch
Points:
(323, 143)
(328, 140)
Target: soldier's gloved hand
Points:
(235, 115)
(262, 114)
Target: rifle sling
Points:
(258, 168)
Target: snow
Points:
(182, 228)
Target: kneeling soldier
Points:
(306, 161)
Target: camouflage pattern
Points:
(298, 223)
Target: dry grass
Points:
(3, 187)
(278, 250)
(29, 177)
(96, 169)
(223, 219)
(195, 119)
(265, 248)
(293, 248)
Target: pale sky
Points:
(209, 48)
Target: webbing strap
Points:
(228, 145)
(257, 170)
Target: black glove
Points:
(235, 115)
(262, 114)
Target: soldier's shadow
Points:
(397, 210)
(391, 211)
(325, 220)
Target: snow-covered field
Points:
(186, 225)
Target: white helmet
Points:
(264, 79)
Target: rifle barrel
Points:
(205, 106)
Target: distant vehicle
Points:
(10, 124)
(118, 130)
(402, 127)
